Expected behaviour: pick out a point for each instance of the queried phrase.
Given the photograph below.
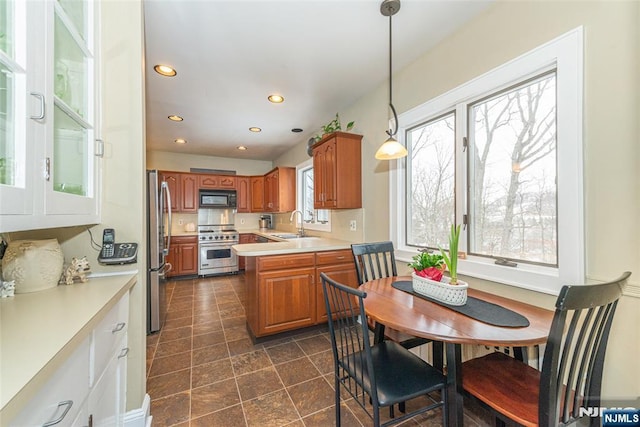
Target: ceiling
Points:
(321, 55)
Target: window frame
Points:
(317, 226)
(565, 54)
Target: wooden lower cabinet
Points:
(285, 291)
(183, 256)
(339, 266)
(245, 238)
(288, 300)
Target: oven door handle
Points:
(217, 245)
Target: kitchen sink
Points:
(292, 236)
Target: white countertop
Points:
(40, 330)
(184, 233)
(288, 246)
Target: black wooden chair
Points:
(571, 375)
(375, 261)
(378, 375)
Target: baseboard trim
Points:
(140, 417)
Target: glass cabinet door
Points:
(72, 151)
(7, 125)
(16, 198)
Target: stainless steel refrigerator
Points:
(159, 228)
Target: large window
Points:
(314, 219)
(501, 155)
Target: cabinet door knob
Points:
(120, 326)
(68, 404)
(123, 352)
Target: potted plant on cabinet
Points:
(428, 282)
(333, 126)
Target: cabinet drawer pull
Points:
(123, 352)
(340, 257)
(68, 404)
(120, 326)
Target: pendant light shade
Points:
(391, 148)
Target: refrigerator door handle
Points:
(165, 189)
(167, 268)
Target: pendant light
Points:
(391, 149)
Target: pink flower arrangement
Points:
(428, 265)
(432, 273)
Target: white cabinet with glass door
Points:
(48, 168)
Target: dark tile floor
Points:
(204, 370)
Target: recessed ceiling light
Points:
(242, 148)
(276, 99)
(296, 130)
(180, 141)
(175, 118)
(255, 129)
(165, 70)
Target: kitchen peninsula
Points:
(284, 291)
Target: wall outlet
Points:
(180, 222)
(353, 225)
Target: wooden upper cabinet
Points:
(173, 182)
(243, 185)
(257, 194)
(217, 182)
(280, 190)
(189, 192)
(337, 169)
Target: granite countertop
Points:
(287, 246)
(39, 330)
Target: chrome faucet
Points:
(301, 229)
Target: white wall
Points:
(611, 133)
(165, 160)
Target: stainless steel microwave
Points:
(218, 198)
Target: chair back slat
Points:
(374, 260)
(571, 375)
(578, 365)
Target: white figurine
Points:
(77, 269)
(7, 289)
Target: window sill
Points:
(539, 279)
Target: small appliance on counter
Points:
(265, 222)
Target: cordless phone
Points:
(116, 253)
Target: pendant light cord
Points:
(391, 132)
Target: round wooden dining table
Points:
(416, 316)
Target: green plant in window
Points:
(451, 259)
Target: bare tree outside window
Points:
(431, 198)
(513, 208)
